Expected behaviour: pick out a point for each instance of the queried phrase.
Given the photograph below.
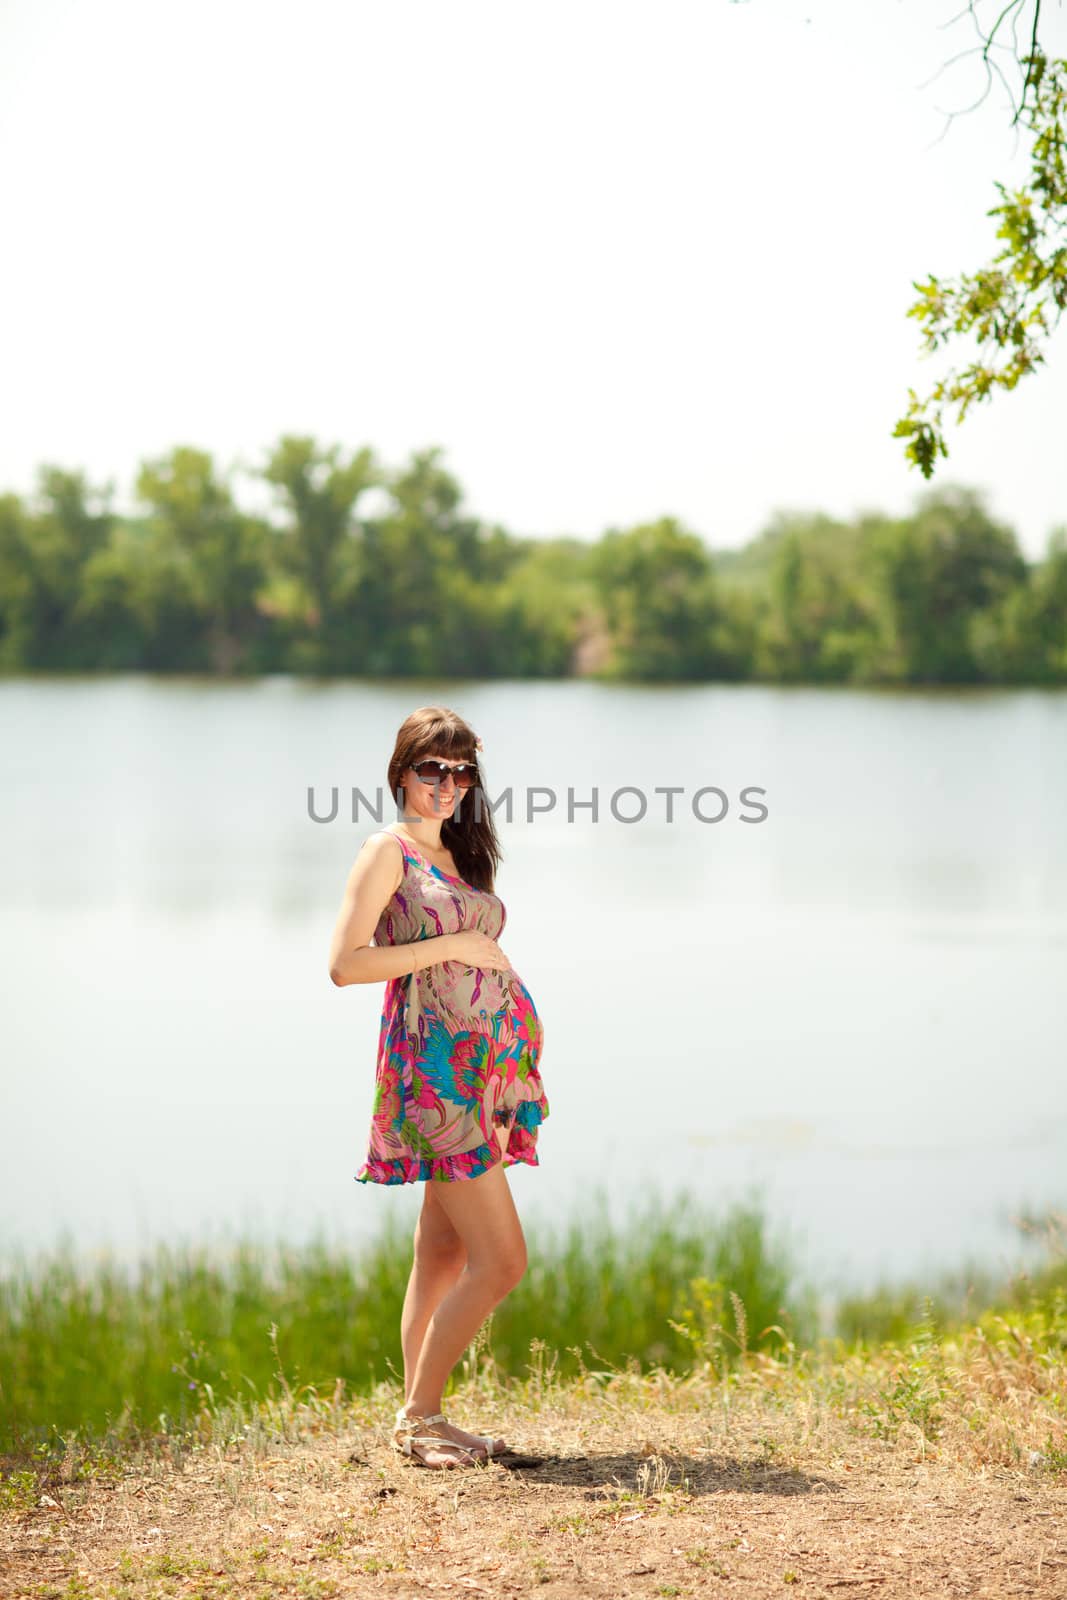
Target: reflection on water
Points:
(856, 1006)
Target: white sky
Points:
(620, 260)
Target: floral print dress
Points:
(458, 1047)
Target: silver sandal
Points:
(406, 1435)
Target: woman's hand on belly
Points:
(472, 948)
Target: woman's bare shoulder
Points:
(372, 841)
(375, 848)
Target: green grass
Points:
(91, 1349)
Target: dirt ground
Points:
(612, 1502)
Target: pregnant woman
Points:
(458, 1093)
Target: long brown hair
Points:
(472, 840)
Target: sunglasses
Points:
(464, 773)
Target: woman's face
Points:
(435, 799)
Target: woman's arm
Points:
(375, 877)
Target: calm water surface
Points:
(856, 1008)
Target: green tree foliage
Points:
(420, 608)
(1011, 306)
(657, 587)
(938, 577)
(1023, 638)
(137, 605)
(544, 597)
(216, 551)
(818, 623)
(414, 586)
(442, 593)
(320, 544)
(45, 549)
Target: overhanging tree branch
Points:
(1011, 306)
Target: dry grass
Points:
(939, 1468)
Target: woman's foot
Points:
(469, 1446)
(475, 1441)
(426, 1442)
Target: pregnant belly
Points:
(495, 1002)
(471, 991)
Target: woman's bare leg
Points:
(440, 1256)
(479, 1213)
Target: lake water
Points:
(855, 1009)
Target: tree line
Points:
(359, 569)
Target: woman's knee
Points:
(504, 1267)
(482, 1214)
(518, 1265)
